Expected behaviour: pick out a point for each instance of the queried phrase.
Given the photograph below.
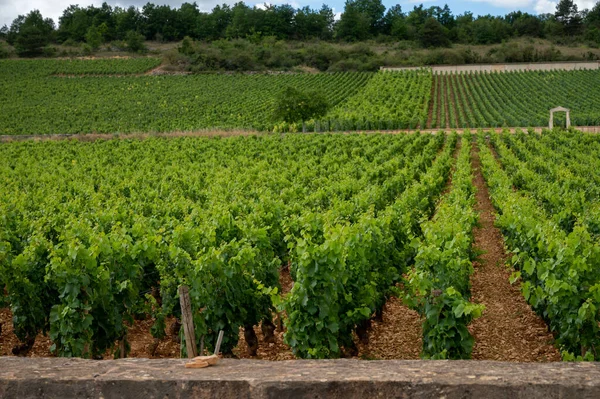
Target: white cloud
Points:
(549, 6)
(540, 6)
(336, 15)
(509, 4)
(544, 6)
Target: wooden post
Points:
(187, 320)
(219, 341)
(122, 347)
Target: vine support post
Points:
(122, 348)
(187, 320)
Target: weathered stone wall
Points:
(567, 66)
(148, 379)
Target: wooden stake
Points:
(187, 320)
(219, 340)
(122, 347)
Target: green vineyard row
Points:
(546, 226)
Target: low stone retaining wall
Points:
(532, 66)
(147, 379)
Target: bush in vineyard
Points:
(293, 105)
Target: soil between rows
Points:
(508, 330)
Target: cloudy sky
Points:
(10, 9)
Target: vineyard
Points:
(96, 235)
(120, 96)
(521, 99)
(314, 237)
(38, 101)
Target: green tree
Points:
(242, 18)
(463, 29)
(307, 23)
(433, 34)
(73, 24)
(525, 24)
(416, 18)
(373, 10)
(126, 20)
(135, 42)
(188, 15)
(489, 29)
(392, 16)
(33, 33)
(293, 105)
(568, 15)
(93, 37)
(592, 18)
(353, 24)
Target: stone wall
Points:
(567, 66)
(148, 379)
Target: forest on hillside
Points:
(241, 37)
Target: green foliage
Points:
(438, 286)
(433, 34)
(512, 102)
(391, 100)
(93, 38)
(4, 51)
(135, 42)
(32, 34)
(346, 260)
(293, 105)
(354, 25)
(121, 218)
(558, 265)
(187, 46)
(568, 15)
(147, 103)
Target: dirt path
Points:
(509, 330)
(399, 335)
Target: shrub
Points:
(293, 105)
(135, 42)
(93, 38)
(4, 51)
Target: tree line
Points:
(361, 20)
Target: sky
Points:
(10, 9)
